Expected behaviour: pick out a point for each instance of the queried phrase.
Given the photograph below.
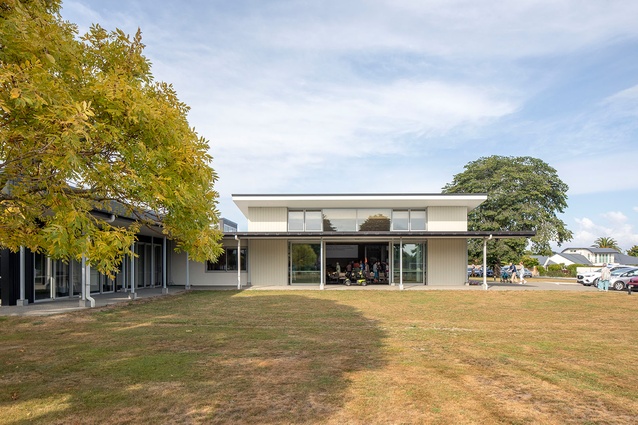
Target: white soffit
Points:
(396, 201)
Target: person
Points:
(521, 271)
(349, 266)
(603, 281)
(535, 272)
(473, 270)
(338, 268)
(512, 271)
(375, 270)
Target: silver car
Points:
(619, 281)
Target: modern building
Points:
(408, 239)
(27, 277)
(417, 239)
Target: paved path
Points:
(47, 308)
(73, 304)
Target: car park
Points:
(591, 278)
(619, 281)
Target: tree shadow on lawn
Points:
(209, 356)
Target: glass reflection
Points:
(373, 220)
(305, 263)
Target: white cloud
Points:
(612, 224)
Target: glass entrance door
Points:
(305, 263)
(413, 255)
(62, 278)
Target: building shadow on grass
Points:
(202, 357)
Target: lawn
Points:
(333, 357)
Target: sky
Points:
(397, 96)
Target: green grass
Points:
(271, 357)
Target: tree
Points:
(303, 256)
(633, 251)
(523, 193)
(83, 126)
(376, 223)
(604, 242)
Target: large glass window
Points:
(340, 220)
(413, 262)
(305, 263)
(62, 279)
(227, 261)
(417, 220)
(373, 220)
(408, 220)
(314, 221)
(42, 280)
(295, 221)
(356, 219)
(400, 220)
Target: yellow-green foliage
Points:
(83, 124)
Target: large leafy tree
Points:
(633, 251)
(84, 127)
(523, 193)
(605, 242)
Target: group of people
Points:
(509, 273)
(517, 273)
(364, 267)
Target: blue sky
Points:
(343, 96)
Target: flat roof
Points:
(359, 200)
(382, 235)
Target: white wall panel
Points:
(267, 219)
(447, 262)
(447, 218)
(268, 262)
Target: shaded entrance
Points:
(342, 258)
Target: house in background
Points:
(594, 257)
(418, 239)
(600, 256)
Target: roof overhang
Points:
(310, 201)
(386, 235)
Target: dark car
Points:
(489, 273)
(632, 285)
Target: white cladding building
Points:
(416, 239)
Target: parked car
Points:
(478, 272)
(632, 285)
(489, 273)
(620, 280)
(591, 278)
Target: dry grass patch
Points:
(328, 357)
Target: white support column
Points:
(401, 263)
(164, 287)
(86, 285)
(238, 262)
(132, 295)
(485, 262)
(22, 301)
(188, 278)
(322, 267)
